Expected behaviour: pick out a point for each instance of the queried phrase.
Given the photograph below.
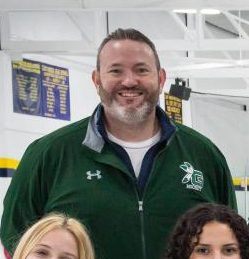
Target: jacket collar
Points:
(96, 134)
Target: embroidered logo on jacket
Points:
(97, 175)
(193, 179)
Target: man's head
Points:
(128, 34)
(128, 77)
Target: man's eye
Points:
(142, 70)
(115, 71)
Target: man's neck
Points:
(133, 132)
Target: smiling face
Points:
(128, 81)
(56, 244)
(217, 241)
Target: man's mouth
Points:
(130, 94)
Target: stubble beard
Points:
(129, 115)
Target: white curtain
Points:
(225, 120)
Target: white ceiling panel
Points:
(191, 46)
(168, 4)
(39, 4)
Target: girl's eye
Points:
(230, 250)
(201, 250)
(67, 257)
(41, 252)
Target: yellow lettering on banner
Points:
(27, 66)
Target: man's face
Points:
(128, 82)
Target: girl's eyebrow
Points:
(65, 253)
(232, 244)
(40, 244)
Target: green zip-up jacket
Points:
(74, 170)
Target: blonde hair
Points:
(51, 222)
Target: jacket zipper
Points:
(140, 204)
(141, 215)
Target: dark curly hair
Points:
(190, 225)
(128, 34)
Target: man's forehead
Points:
(126, 52)
(118, 45)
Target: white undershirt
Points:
(136, 150)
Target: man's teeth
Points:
(129, 94)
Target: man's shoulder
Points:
(193, 136)
(78, 127)
(72, 133)
(199, 143)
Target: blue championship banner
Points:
(26, 87)
(56, 99)
(41, 89)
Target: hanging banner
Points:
(41, 89)
(173, 107)
(26, 87)
(55, 85)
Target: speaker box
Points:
(180, 90)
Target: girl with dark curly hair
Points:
(209, 231)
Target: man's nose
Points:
(130, 79)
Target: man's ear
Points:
(162, 79)
(96, 79)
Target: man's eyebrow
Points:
(141, 64)
(115, 65)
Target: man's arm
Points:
(227, 191)
(23, 201)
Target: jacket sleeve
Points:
(25, 199)
(229, 196)
(227, 191)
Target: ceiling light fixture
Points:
(185, 11)
(210, 11)
(202, 11)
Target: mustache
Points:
(130, 88)
(125, 88)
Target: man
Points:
(127, 172)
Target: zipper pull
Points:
(140, 205)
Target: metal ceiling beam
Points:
(169, 4)
(231, 72)
(203, 45)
